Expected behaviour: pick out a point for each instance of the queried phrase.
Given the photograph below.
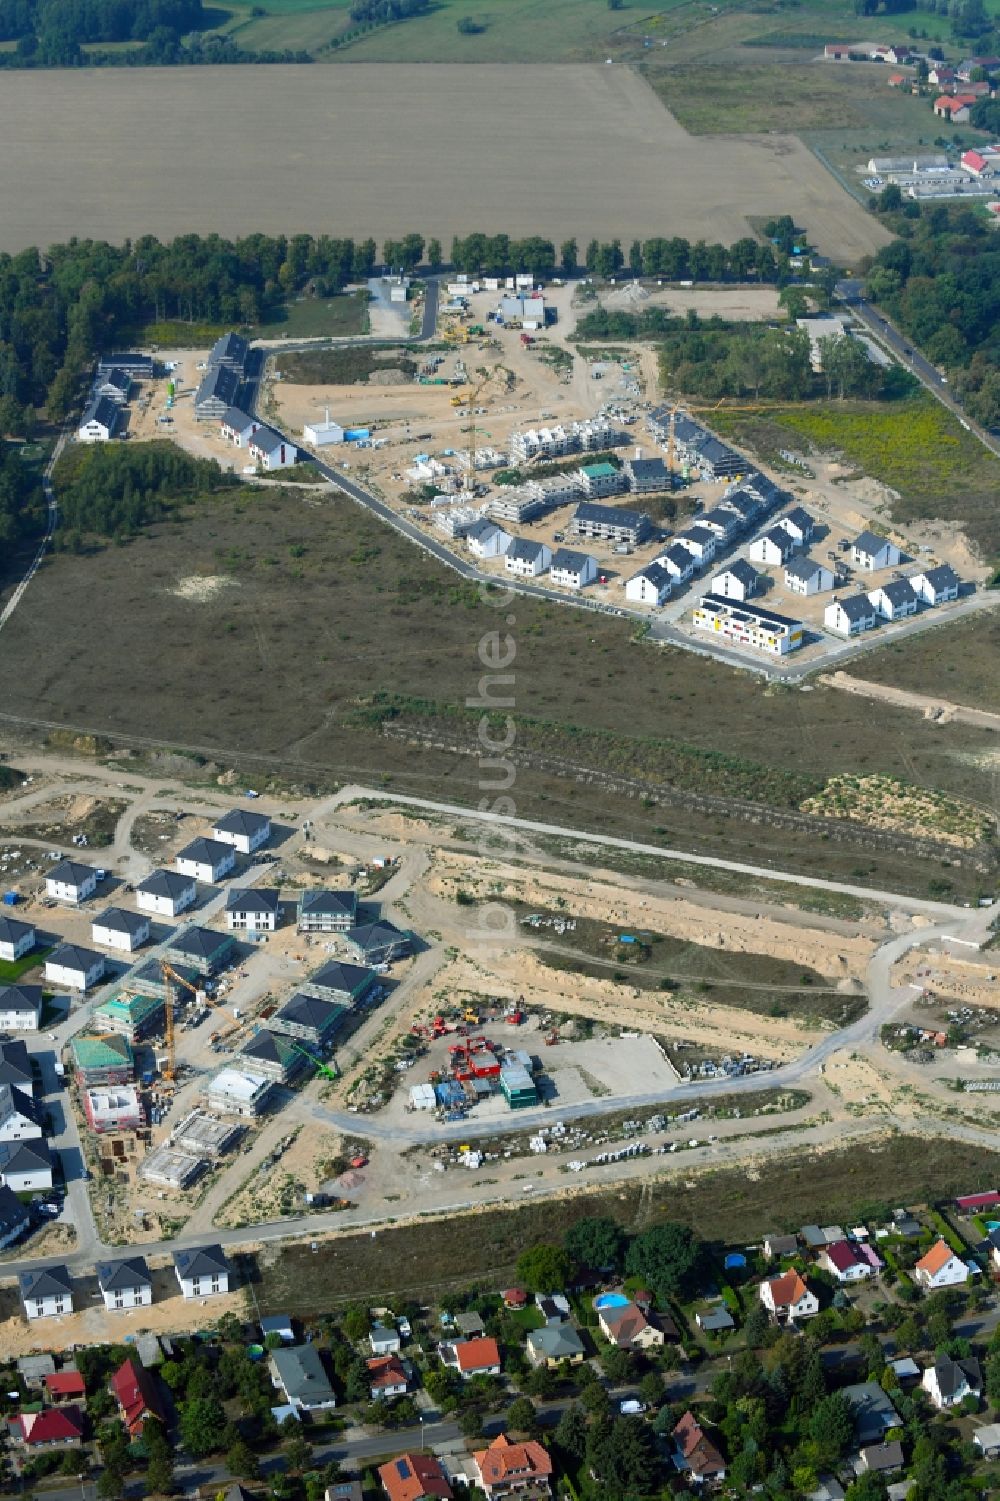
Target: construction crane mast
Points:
(170, 979)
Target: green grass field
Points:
(316, 317)
(12, 970)
(914, 446)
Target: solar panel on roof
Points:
(403, 1469)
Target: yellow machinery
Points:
(170, 979)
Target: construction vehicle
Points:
(471, 1016)
(317, 1063)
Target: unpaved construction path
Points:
(941, 710)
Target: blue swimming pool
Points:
(610, 1300)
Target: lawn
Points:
(316, 317)
(726, 1206)
(12, 970)
(915, 446)
(960, 663)
(591, 703)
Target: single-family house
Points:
(203, 948)
(695, 1454)
(678, 562)
(69, 881)
(46, 1292)
(14, 1217)
(270, 450)
(895, 600)
(715, 1320)
(940, 1267)
(202, 1271)
(20, 1005)
(851, 616)
(165, 893)
(776, 1246)
(15, 1065)
(385, 1339)
(16, 940)
(125, 1283)
(941, 74)
(48, 1428)
(255, 910)
(737, 581)
(881, 1459)
(526, 558)
(73, 966)
(699, 542)
(487, 540)
(553, 1345)
(64, 1386)
(386, 1377)
(20, 1118)
(34, 1370)
(872, 1410)
(237, 427)
(935, 586)
(954, 107)
(310, 1018)
(26, 1166)
(100, 422)
(871, 552)
(627, 1327)
(844, 1261)
(807, 576)
(413, 1477)
(206, 859)
(554, 1307)
(788, 1297)
(274, 1055)
(573, 570)
(472, 1357)
(138, 1396)
(298, 1372)
(508, 1469)
(838, 52)
(118, 928)
(798, 524)
(246, 831)
(378, 942)
(650, 586)
(774, 546)
(948, 1382)
(987, 1440)
(321, 911)
(116, 385)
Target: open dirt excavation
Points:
(369, 141)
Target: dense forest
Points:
(22, 503)
(674, 259)
(113, 491)
(940, 281)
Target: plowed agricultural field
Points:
(388, 149)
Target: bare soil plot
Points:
(437, 149)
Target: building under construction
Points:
(102, 1060)
(131, 1016)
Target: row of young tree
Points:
(674, 259)
(939, 280)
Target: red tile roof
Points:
(134, 1389)
(477, 1354)
(386, 1370)
(53, 1425)
(698, 1452)
(515, 1297)
(65, 1384)
(842, 1255)
(505, 1465)
(787, 1290)
(936, 1260)
(412, 1476)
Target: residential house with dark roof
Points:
(115, 384)
(165, 892)
(206, 860)
(244, 829)
(609, 523)
(738, 580)
(14, 1217)
(74, 967)
(935, 586)
(229, 352)
(526, 558)
(553, 1345)
(118, 928)
(216, 394)
(46, 1292)
(202, 1271)
(204, 948)
(851, 616)
(807, 576)
(16, 940)
(298, 1372)
(15, 1065)
(26, 1166)
(872, 1410)
(572, 570)
(346, 983)
(309, 1018)
(650, 586)
(895, 600)
(871, 552)
(125, 1283)
(21, 1119)
(948, 1382)
(254, 910)
(647, 476)
(798, 524)
(100, 422)
(21, 1005)
(271, 450)
(321, 911)
(378, 942)
(70, 881)
(694, 1453)
(275, 1055)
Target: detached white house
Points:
(807, 576)
(936, 586)
(948, 1382)
(26, 1166)
(738, 581)
(842, 1261)
(70, 881)
(852, 616)
(678, 562)
(271, 451)
(798, 524)
(254, 910)
(700, 542)
(871, 552)
(16, 939)
(125, 1283)
(940, 1268)
(774, 547)
(487, 540)
(46, 1293)
(574, 570)
(100, 421)
(206, 860)
(20, 1008)
(244, 830)
(649, 587)
(166, 893)
(20, 1117)
(788, 1297)
(117, 928)
(894, 601)
(74, 967)
(202, 1272)
(527, 559)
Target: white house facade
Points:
(74, 967)
(70, 882)
(244, 830)
(851, 617)
(202, 1272)
(16, 939)
(165, 893)
(119, 929)
(206, 860)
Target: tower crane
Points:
(170, 979)
(474, 394)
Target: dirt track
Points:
(388, 149)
